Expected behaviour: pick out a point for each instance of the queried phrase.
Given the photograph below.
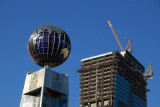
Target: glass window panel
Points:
(62, 36)
(58, 52)
(61, 56)
(42, 55)
(37, 51)
(41, 50)
(36, 46)
(50, 50)
(41, 45)
(39, 56)
(46, 33)
(60, 47)
(45, 44)
(52, 34)
(55, 45)
(51, 39)
(45, 50)
(45, 38)
(56, 56)
(46, 55)
(62, 42)
(66, 45)
(53, 55)
(49, 55)
(56, 40)
(54, 51)
(51, 45)
(57, 35)
(66, 38)
(40, 38)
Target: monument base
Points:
(45, 88)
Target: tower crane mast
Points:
(115, 35)
(129, 43)
(129, 46)
(150, 74)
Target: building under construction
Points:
(113, 79)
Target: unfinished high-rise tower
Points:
(113, 79)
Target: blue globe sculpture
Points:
(49, 45)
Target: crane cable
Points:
(120, 32)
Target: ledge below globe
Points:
(49, 45)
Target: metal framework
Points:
(99, 79)
(49, 45)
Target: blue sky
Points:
(85, 21)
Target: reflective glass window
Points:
(62, 36)
(55, 45)
(45, 50)
(66, 45)
(49, 55)
(45, 44)
(46, 33)
(54, 51)
(42, 55)
(41, 50)
(39, 56)
(46, 55)
(57, 56)
(60, 47)
(58, 52)
(66, 38)
(57, 40)
(57, 35)
(61, 55)
(37, 51)
(52, 34)
(46, 38)
(36, 46)
(41, 45)
(50, 50)
(51, 45)
(40, 38)
(51, 39)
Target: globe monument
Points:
(48, 46)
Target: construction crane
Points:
(150, 74)
(129, 46)
(129, 43)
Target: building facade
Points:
(113, 79)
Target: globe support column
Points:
(45, 88)
(48, 46)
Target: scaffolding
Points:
(98, 78)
